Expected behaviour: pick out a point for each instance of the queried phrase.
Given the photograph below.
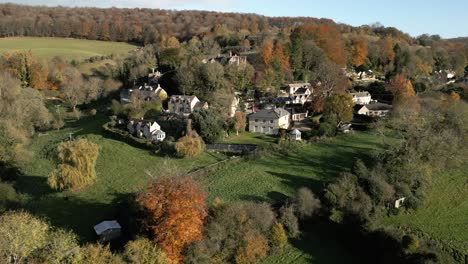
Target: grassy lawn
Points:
(275, 177)
(121, 170)
(445, 214)
(68, 49)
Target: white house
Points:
(147, 129)
(375, 110)
(299, 92)
(145, 92)
(269, 121)
(361, 98)
(185, 105)
(108, 230)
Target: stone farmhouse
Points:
(269, 121)
(184, 104)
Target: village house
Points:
(361, 98)
(269, 121)
(375, 109)
(148, 129)
(227, 59)
(145, 92)
(299, 93)
(185, 105)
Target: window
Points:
(256, 120)
(271, 121)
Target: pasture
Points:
(444, 215)
(65, 48)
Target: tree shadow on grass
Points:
(69, 211)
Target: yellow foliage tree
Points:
(189, 146)
(77, 169)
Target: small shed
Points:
(108, 230)
(295, 135)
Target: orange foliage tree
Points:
(175, 211)
(388, 54)
(267, 52)
(401, 87)
(358, 51)
(327, 37)
(281, 58)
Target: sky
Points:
(447, 18)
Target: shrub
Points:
(77, 169)
(327, 129)
(289, 220)
(189, 146)
(305, 202)
(255, 247)
(144, 251)
(92, 112)
(8, 196)
(410, 243)
(279, 239)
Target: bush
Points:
(289, 220)
(8, 196)
(189, 146)
(410, 243)
(327, 129)
(305, 202)
(255, 247)
(144, 251)
(92, 112)
(279, 239)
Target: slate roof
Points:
(106, 225)
(360, 94)
(269, 114)
(378, 106)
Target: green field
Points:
(444, 215)
(273, 178)
(68, 49)
(121, 170)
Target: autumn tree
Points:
(339, 108)
(22, 234)
(189, 146)
(77, 165)
(400, 87)
(279, 239)
(98, 254)
(22, 112)
(281, 59)
(175, 212)
(255, 247)
(267, 52)
(144, 251)
(325, 36)
(358, 51)
(240, 122)
(305, 202)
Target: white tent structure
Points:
(108, 230)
